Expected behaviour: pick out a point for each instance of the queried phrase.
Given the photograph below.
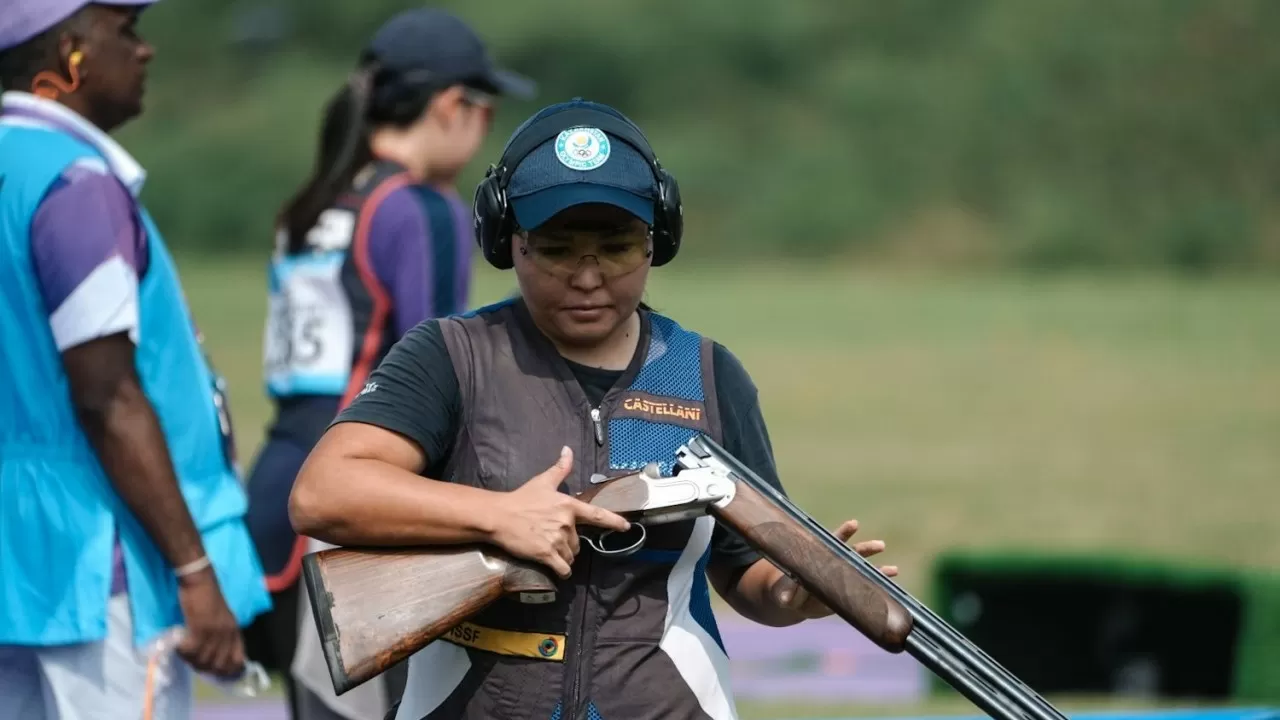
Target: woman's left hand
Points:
(790, 596)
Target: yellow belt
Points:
(539, 646)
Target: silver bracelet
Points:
(193, 567)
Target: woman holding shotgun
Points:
(474, 427)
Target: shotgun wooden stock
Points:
(825, 574)
(376, 606)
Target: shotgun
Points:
(374, 607)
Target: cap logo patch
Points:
(582, 148)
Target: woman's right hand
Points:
(538, 522)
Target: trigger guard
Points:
(596, 543)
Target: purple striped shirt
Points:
(401, 250)
(87, 222)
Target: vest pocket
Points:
(633, 600)
(503, 687)
(623, 667)
(479, 464)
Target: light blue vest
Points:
(58, 509)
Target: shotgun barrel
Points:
(921, 633)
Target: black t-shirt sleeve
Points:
(745, 437)
(414, 391)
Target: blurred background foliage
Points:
(1044, 135)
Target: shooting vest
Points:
(328, 316)
(329, 319)
(58, 509)
(629, 638)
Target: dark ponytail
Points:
(344, 149)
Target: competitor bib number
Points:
(308, 344)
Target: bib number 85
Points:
(308, 343)
(296, 336)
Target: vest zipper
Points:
(574, 659)
(595, 419)
(575, 696)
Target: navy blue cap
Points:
(581, 165)
(439, 44)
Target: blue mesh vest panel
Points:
(673, 372)
(592, 712)
(673, 369)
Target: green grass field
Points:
(1125, 414)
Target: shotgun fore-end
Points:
(830, 578)
(840, 587)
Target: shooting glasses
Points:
(616, 251)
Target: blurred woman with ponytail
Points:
(374, 242)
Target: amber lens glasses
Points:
(616, 253)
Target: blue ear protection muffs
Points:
(494, 220)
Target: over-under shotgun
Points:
(376, 606)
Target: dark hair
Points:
(344, 149)
(371, 97)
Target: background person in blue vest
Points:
(452, 439)
(121, 514)
(374, 242)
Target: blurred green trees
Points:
(992, 133)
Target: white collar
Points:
(40, 112)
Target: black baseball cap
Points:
(445, 50)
